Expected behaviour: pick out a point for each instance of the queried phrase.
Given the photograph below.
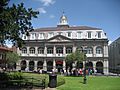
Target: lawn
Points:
(93, 83)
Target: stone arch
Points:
(32, 50)
(69, 50)
(24, 50)
(80, 65)
(40, 65)
(89, 65)
(23, 65)
(31, 65)
(89, 50)
(99, 67)
(99, 50)
(80, 49)
(59, 65)
(49, 66)
(40, 50)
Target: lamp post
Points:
(85, 79)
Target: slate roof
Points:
(65, 28)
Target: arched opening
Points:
(68, 50)
(40, 65)
(89, 65)
(23, 65)
(69, 65)
(89, 50)
(32, 50)
(49, 66)
(99, 50)
(99, 67)
(31, 65)
(59, 65)
(79, 65)
(24, 50)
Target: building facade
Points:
(114, 56)
(46, 48)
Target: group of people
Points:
(80, 72)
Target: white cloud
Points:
(41, 10)
(52, 16)
(47, 2)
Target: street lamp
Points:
(85, 79)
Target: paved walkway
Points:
(28, 89)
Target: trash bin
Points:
(52, 80)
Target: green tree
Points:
(12, 58)
(15, 21)
(75, 57)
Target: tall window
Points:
(41, 35)
(89, 34)
(69, 34)
(59, 50)
(32, 50)
(89, 50)
(24, 50)
(99, 50)
(50, 50)
(33, 35)
(79, 34)
(80, 49)
(40, 50)
(99, 34)
(69, 50)
(51, 34)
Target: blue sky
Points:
(103, 14)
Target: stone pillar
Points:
(28, 51)
(18, 65)
(105, 50)
(105, 66)
(83, 64)
(36, 50)
(74, 48)
(27, 65)
(54, 64)
(64, 50)
(45, 65)
(94, 51)
(45, 50)
(64, 65)
(54, 51)
(94, 65)
(35, 66)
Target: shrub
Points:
(15, 76)
(60, 80)
(4, 76)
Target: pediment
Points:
(59, 38)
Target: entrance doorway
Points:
(99, 67)
(59, 65)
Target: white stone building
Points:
(46, 48)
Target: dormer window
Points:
(41, 35)
(69, 34)
(79, 35)
(33, 35)
(51, 34)
(89, 34)
(99, 34)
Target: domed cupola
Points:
(63, 21)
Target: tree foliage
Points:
(15, 21)
(12, 57)
(76, 56)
